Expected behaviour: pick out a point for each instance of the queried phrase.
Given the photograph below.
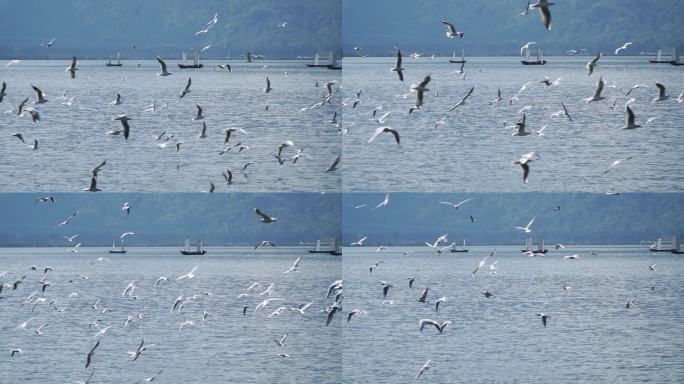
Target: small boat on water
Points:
(195, 62)
(334, 249)
(529, 246)
(118, 61)
(454, 249)
(122, 249)
(659, 58)
(540, 60)
(454, 59)
(198, 248)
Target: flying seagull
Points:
(456, 206)
(544, 12)
(397, 67)
(380, 130)
(49, 43)
(266, 219)
(451, 30)
(597, 93)
(524, 164)
(661, 93)
(625, 46)
(186, 90)
(526, 228)
(72, 68)
(124, 122)
(164, 72)
(630, 119)
(592, 63)
(463, 100)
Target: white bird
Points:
(544, 318)
(49, 43)
(526, 46)
(117, 101)
(625, 46)
(295, 265)
(526, 228)
(359, 242)
(451, 30)
(590, 65)
(615, 163)
(125, 234)
(188, 275)
(424, 368)
(524, 164)
(281, 341)
(266, 302)
(75, 248)
(185, 323)
(456, 206)
(482, 262)
(383, 203)
(102, 332)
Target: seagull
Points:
(571, 257)
(385, 288)
(188, 275)
(483, 261)
(268, 86)
(49, 43)
(524, 164)
(124, 122)
(93, 185)
(526, 46)
(630, 303)
(540, 132)
(591, 64)
(89, 356)
(456, 206)
(71, 238)
(40, 94)
(680, 98)
(597, 93)
(264, 243)
(651, 267)
(520, 125)
(266, 219)
(451, 30)
(544, 317)
(125, 234)
(661, 93)
(335, 164)
(526, 228)
(616, 162)
(116, 101)
(126, 208)
(45, 199)
(440, 327)
(424, 368)
(164, 72)
(630, 119)
(442, 299)
(463, 100)
(202, 135)
(359, 242)
(566, 111)
(295, 265)
(397, 67)
(383, 203)
(301, 308)
(186, 90)
(265, 303)
(136, 354)
(544, 12)
(380, 130)
(625, 46)
(199, 115)
(72, 68)
(420, 89)
(281, 342)
(183, 324)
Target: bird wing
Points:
(425, 82)
(395, 133)
(630, 115)
(599, 88)
(545, 14)
(162, 63)
(526, 171)
(263, 215)
(450, 27)
(661, 90)
(376, 133)
(187, 86)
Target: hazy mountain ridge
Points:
(496, 27)
(96, 29)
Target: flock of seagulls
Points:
(318, 99)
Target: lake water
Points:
(226, 347)
(591, 336)
(72, 139)
(472, 151)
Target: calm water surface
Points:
(227, 347)
(591, 336)
(72, 139)
(473, 151)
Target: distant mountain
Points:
(495, 27)
(168, 218)
(96, 28)
(413, 218)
